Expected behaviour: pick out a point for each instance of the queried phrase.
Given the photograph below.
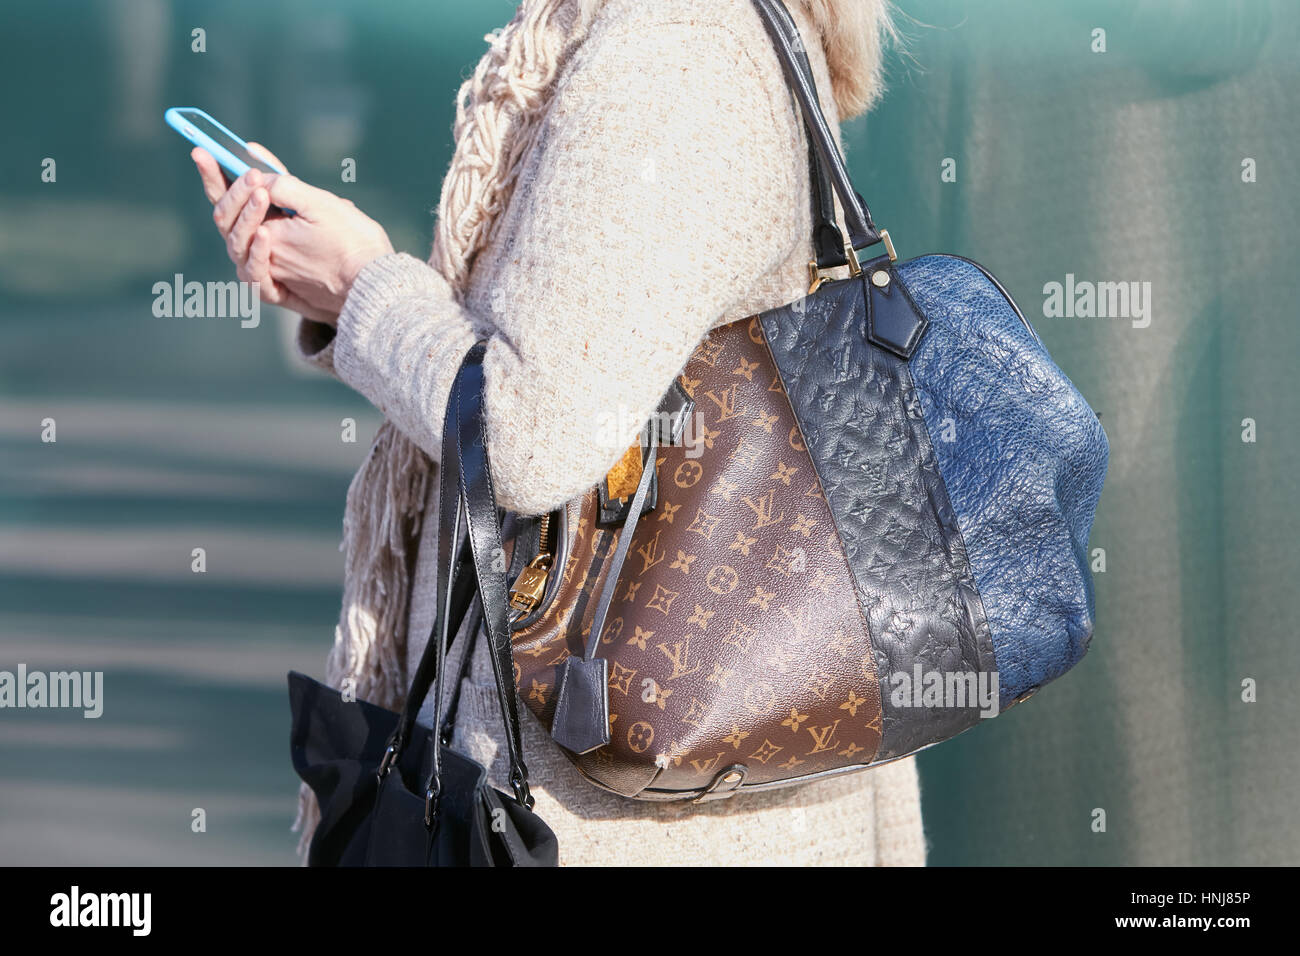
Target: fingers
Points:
(257, 268)
(248, 223)
(214, 183)
(257, 264)
(286, 191)
(231, 204)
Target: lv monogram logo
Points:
(706, 765)
(746, 453)
(739, 582)
(824, 737)
(650, 553)
(800, 619)
(679, 655)
(709, 350)
(763, 509)
(725, 399)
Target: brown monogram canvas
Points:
(735, 639)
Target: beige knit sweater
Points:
(667, 194)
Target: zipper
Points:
(544, 545)
(530, 586)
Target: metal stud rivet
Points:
(880, 278)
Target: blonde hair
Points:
(854, 34)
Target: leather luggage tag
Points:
(581, 721)
(893, 321)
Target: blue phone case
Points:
(228, 161)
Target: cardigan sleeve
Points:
(661, 190)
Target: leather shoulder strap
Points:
(828, 241)
(468, 528)
(483, 528)
(785, 38)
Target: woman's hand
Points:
(305, 262)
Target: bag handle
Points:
(828, 240)
(468, 527)
(462, 596)
(465, 443)
(784, 34)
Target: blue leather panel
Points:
(1023, 458)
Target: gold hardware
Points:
(530, 586)
(889, 245)
(815, 277)
(1023, 697)
(880, 278)
(855, 268)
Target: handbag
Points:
(391, 794)
(874, 535)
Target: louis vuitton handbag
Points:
(874, 536)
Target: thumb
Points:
(290, 192)
(257, 149)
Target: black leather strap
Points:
(461, 594)
(451, 527)
(468, 528)
(473, 623)
(785, 38)
(478, 499)
(828, 241)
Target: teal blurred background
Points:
(181, 433)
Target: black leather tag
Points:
(893, 321)
(581, 721)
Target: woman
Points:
(626, 176)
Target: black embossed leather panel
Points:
(866, 432)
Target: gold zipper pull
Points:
(529, 587)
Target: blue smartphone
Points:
(231, 153)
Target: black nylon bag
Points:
(369, 821)
(392, 796)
